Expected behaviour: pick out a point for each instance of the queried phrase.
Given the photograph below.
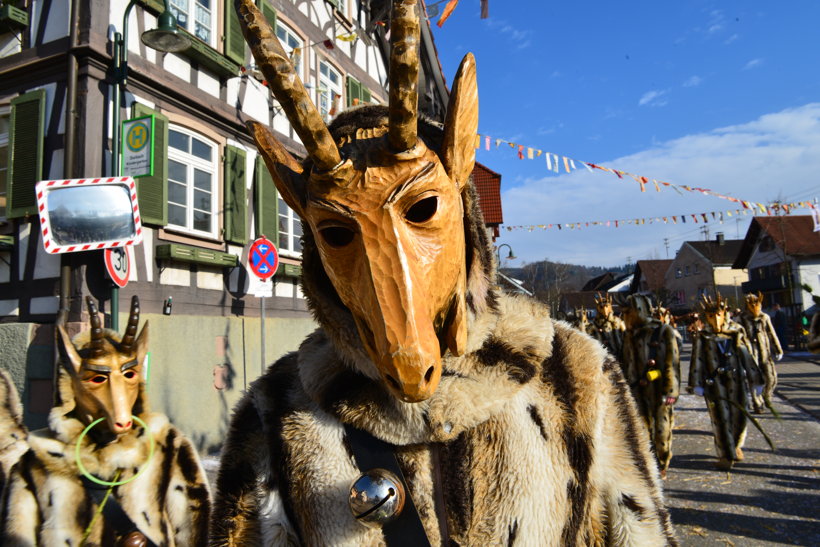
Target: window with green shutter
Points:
(232, 35)
(236, 196)
(265, 198)
(355, 90)
(268, 11)
(25, 152)
(152, 192)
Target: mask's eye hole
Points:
(99, 379)
(423, 210)
(337, 236)
(129, 374)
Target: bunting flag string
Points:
(696, 218)
(558, 163)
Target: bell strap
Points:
(406, 530)
(113, 512)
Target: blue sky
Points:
(722, 95)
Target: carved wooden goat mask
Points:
(603, 303)
(386, 211)
(715, 312)
(754, 303)
(105, 370)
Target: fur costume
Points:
(609, 330)
(765, 349)
(532, 436)
(651, 358)
(45, 502)
(721, 363)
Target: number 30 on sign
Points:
(118, 266)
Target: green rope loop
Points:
(101, 482)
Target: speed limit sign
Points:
(117, 265)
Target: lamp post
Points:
(510, 256)
(165, 38)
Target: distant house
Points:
(488, 185)
(649, 278)
(781, 254)
(704, 268)
(609, 282)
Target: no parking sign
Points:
(263, 258)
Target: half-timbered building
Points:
(209, 195)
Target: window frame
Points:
(213, 12)
(339, 90)
(5, 112)
(284, 210)
(289, 29)
(215, 165)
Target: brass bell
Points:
(721, 370)
(651, 363)
(376, 497)
(133, 539)
(710, 382)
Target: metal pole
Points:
(115, 150)
(262, 332)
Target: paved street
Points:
(771, 498)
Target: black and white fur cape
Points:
(532, 437)
(44, 502)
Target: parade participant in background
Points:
(721, 361)
(581, 321)
(607, 327)
(501, 425)
(765, 348)
(106, 471)
(779, 324)
(651, 357)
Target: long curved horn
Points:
(287, 87)
(96, 328)
(133, 322)
(404, 75)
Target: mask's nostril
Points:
(429, 375)
(393, 382)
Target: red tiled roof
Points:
(488, 185)
(794, 234)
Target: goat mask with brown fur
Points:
(386, 211)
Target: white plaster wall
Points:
(44, 305)
(57, 23)
(208, 83)
(809, 275)
(177, 66)
(9, 307)
(284, 288)
(210, 280)
(175, 275)
(759, 259)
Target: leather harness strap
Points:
(370, 453)
(113, 512)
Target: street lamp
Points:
(166, 38)
(510, 256)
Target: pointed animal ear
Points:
(142, 344)
(285, 170)
(461, 124)
(68, 353)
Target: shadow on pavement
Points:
(786, 531)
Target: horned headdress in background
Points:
(105, 369)
(715, 312)
(381, 204)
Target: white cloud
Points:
(521, 38)
(654, 97)
(731, 39)
(693, 81)
(775, 156)
(753, 63)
